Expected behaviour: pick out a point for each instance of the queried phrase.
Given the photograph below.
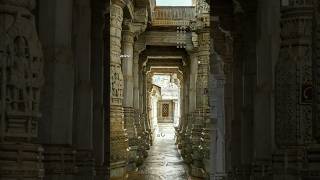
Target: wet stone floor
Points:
(164, 161)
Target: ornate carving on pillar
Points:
(21, 78)
(293, 93)
(201, 127)
(202, 122)
(118, 139)
(202, 7)
(140, 21)
(316, 72)
(294, 77)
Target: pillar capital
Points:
(127, 37)
(139, 47)
(133, 28)
(199, 25)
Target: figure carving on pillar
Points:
(21, 79)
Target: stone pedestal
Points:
(59, 162)
(85, 164)
(21, 161)
(101, 172)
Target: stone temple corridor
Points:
(160, 90)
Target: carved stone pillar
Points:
(127, 63)
(138, 48)
(183, 106)
(83, 100)
(143, 108)
(189, 118)
(202, 103)
(57, 100)
(118, 139)
(21, 78)
(99, 75)
(193, 80)
(215, 136)
(316, 72)
(293, 95)
(202, 124)
(315, 148)
(148, 106)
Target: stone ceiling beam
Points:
(160, 38)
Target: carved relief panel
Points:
(21, 73)
(294, 76)
(316, 72)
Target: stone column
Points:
(181, 106)
(148, 106)
(316, 72)
(138, 48)
(83, 102)
(215, 162)
(56, 127)
(21, 79)
(201, 115)
(293, 97)
(127, 68)
(118, 139)
(99, 55)
(143, 108)
(193, 80)
(202, 104)
(186, 144)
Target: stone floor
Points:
(164, 161)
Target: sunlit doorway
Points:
(165, 105)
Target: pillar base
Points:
(102, 173)
(59, 159)
(118, 171)
(197, 172)
(133, 158)
(21, 161)
(85, 165)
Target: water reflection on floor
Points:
(164, 161)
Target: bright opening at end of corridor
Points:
(174, 2)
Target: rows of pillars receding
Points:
(196, 134)
(130, 134)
